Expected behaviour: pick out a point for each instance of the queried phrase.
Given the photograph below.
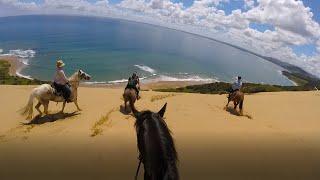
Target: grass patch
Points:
(159, 97)
(97, 127)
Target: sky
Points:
(288, 30)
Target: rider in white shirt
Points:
(237, 85)
(61, 82)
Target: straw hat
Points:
(60, 63)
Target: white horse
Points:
(45, 93)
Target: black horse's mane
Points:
(158, 149)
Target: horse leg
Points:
(46, 105)
(125, 105)
(227, 104)
(63, 105)
(235, 105)
(37, 108)
(241, 107)
(76, 103)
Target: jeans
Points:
(65, 89)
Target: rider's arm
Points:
(138, 83)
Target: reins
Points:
(137, 173)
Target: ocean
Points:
(110, 50)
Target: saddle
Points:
(232, 93)
(55, 90)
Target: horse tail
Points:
(28, 109)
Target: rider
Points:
(61, 82)
(134, 83)
(236, 86)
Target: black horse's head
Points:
(83, 76)
(156, 145)
(141, 116)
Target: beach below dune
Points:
(277, 138)
(15, 64)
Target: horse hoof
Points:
(25, 122)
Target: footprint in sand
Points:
(160, 97)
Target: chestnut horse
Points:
(237, 97)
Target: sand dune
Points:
(277, 138)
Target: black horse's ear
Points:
(163, 110)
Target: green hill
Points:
(5, 78)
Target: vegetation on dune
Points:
(5, 78)
(305, 83)
(222, 88)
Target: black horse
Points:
(156, 146)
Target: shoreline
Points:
(146, 86)
(16, 66)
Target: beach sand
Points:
(277, 138)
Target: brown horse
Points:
(130, 96)
(237, 97)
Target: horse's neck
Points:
(74, 81)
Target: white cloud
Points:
(19, 4)
(293, 22)
(318, 45)
(248, 4)
(290, 15)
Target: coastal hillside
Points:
(9, 79)
(276, 138)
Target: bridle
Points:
(137, 172)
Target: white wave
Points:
(22, 53)
(95, 82)
(118, 81)
(146, 68)
(25, 61)
(23, 76)
(1, 51)
(192, 78)
(124, 80)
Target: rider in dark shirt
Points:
(134, 83)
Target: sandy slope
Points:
(280, 141)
